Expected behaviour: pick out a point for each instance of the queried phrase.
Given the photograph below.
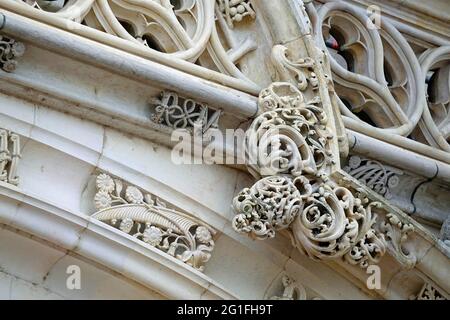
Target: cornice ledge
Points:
(203, 88)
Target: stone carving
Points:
(378, 177)
(379, 79)
(435, 122)
(302, 70)
(182, 29)
(292, 290)
(236, 10)
(9, 156)
(271, 204)
(397, 231)
(376, 73)
(288, 148)
(428, 292)
(445, 232)
(181, 113)
(291, 138)
(10, 50)
(149, 220)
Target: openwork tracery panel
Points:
(382, 83)
(183, 29)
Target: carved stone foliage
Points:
(9, 156)
(377, 176)
(236, 10)
(148, 219)
(293, 290)
(381, 83)
(428, 292)
(291, 137)
(288, 147)
(302, 70)
(182, 113)
(10, 50)
(396, 232)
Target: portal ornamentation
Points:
(292, 138)
(184, 29)
(271, 204)
(10, 50)
(288, 147)
(182, 113)
(302, 70)
(9, 156)
(396, 232)
(149, 219)
(378, 177)
(428, 292)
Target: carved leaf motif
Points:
(396, 232)
(168, 230)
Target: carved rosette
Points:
(151, 221)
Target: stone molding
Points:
(10, 50)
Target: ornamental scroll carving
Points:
(288, 147)
(293, 290)
(9, 156)
(148, 219)
(429, 292)
(10, 50)
(177, 112)
(329, 217)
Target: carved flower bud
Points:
(203, 235)
(126, 225)
(152, 236)
(105, 183)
